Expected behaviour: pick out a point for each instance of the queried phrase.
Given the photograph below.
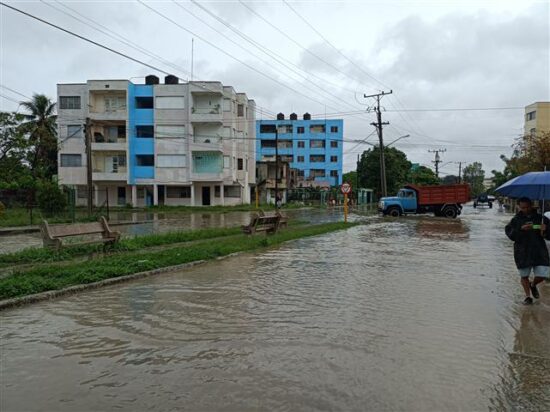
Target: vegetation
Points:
(58, 276)
(423, 175)
(531, 154)
(474, 175)
(397, 169)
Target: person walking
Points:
(527, 230)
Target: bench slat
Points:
(76, 229)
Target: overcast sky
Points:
(433, 55)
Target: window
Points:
(334, 159)
(300, 130)
(317, 128)
(239, 164)
(334, 173)
(285, 128)
(226, 105)
(268, 143)
(170, 160)
(71, 160)
(114, 103)
(170, 131)
(317, 144)
(217, 191)
(268, 128)
(316, 158)
(334, 143)
(144, 102)
(74, 130)
(227, 162)
(69, 102)
(240, 110)
(82, 192)
(317, 173)
(145, 131)
(300, 159)
(285, 144)
(178, 192)
(531, 115)
(287, 158)
(145, 160)
(232, 191)
(334, 129)
(301, 144)
(170, 102)
(300, 173)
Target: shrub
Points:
(51, 199)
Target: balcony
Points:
(206, 177)
(207, 166)
(109, 176)
(211, 114)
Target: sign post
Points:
(345, 189)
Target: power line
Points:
(9, 98)
(229, 54)
(16, 92)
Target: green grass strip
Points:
(53, 277)
(40, 255)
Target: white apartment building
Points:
(175, 143)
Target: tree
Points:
(13, 150)
(450, 180)
(423, 175)
(40, 128)
(474, 175)
(397, 169)
(350, 177)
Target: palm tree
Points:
(40, 126)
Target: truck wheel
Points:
(450, 211)
(394, 212)
(490, 205)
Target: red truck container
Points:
(441, 200)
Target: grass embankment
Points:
(56, 276)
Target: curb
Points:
(52, 294)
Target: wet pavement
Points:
(169, 222)
(417, 313)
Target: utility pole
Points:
(378, 126)
(357, 174)
(437, 159)
(276, 165)
(88, 136)
(459, 172)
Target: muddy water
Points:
(169, 222)
(408, 314)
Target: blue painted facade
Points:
(303, 136)
(139, 145)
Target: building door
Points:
(161, 189)
(206, 195)
(121, 195)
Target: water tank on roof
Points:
(151, 79)
(280, 116)
(171, 79)
(307, 116)
(293, 116)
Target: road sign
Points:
(345, 188)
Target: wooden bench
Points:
(262, 222)
(52, 235)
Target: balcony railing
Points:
(206, 110)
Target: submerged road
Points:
(418, 313)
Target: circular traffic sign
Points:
(345, 188)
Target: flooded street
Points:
(416, 313)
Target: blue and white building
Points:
(157, 144)
(313, 147)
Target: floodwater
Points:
(416, 313)
(169, 222)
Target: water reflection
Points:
(442, 228)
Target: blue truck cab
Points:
(404, 202)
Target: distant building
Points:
(313, 147)
(266, 173)
(157, 144)
(537, 118)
